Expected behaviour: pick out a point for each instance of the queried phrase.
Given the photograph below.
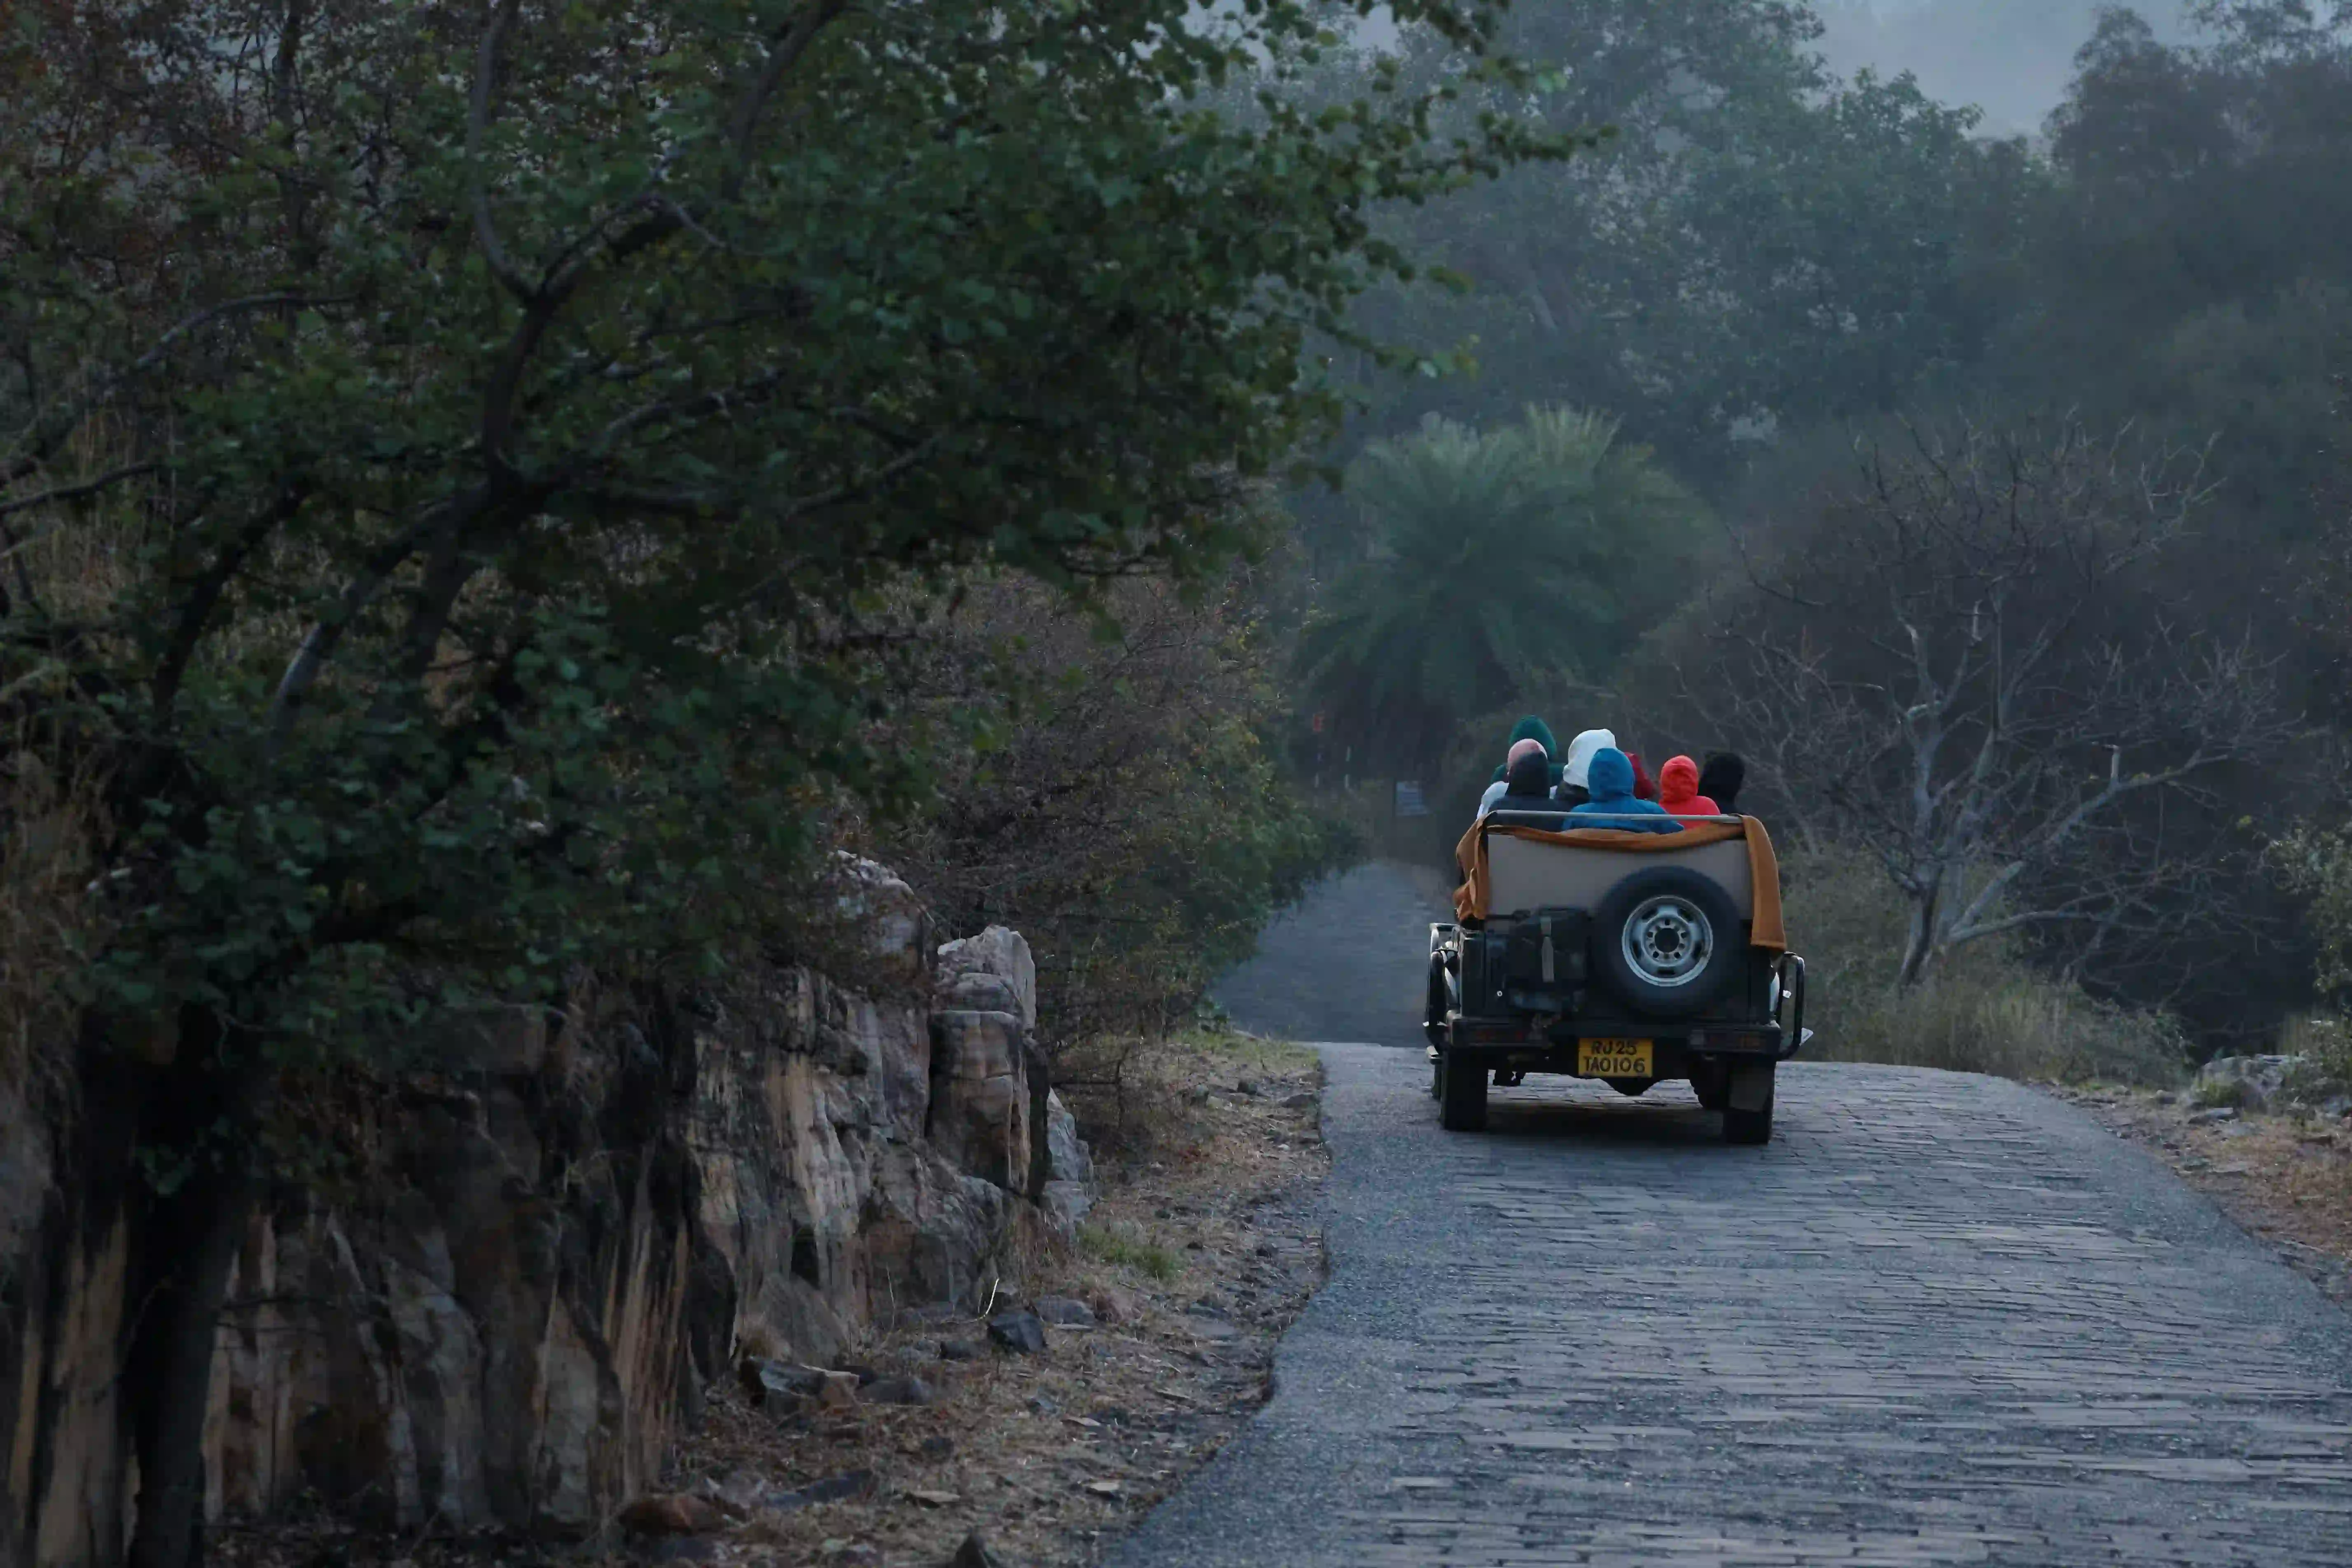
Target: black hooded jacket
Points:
(1720, 779)
(1528, 786)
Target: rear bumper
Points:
(1547, 1042)
(1530, 1046)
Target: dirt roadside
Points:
(2287, 1178)
(1202, 1247)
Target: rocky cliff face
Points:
(558, 1251)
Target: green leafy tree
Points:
(1755, 246)
(1495, 559)
(467, 467)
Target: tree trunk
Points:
(205, 1109)
(173, 1358)
(1919, 938)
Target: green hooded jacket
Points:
(1531, 728)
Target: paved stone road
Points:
(1940, 1319)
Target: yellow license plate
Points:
(1613, 1059)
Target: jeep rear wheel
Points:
(1462, 1099)
(1748, 1104)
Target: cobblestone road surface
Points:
(1939, 1318)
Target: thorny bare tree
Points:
(1956, 664)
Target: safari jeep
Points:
(1627, 957)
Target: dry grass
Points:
(1984, 1011)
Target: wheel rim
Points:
(1667, 941)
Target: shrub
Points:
(1986, 1011)
(1116, 800)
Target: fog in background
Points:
(2010, 58)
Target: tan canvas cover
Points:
(1764, 927)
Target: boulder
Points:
(997, 951)
(981, 1096)
(1066, 1203)
(2257, 1083)
(1067, 1156)
(562, 1245)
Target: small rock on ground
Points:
(670, 1513)
(974, 1553)
(1065, 1312)
(959, 1350)
(834, 1488)
(1020, 1332)
(900, 1390)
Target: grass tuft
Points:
(1120, 1246)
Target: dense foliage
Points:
(1769, 273)
(472, 472)
(1120, 806)
(1491, 560)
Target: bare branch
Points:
(75, 491)
(478, 124)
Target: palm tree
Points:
(1496, 558)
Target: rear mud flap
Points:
(1751, 1085)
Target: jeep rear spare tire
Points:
(1667, 941)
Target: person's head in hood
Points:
(1609, 776)
(1678, 789)
(1531, 728)
(1720, 779)
(1529, 781)
(1580, 752)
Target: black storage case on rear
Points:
(1546, 960)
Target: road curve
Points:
(1939, 1318)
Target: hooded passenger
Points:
(1720, 781)
(1531, 728)
(1519, 750)
(1678, 792)
(1573, 789)
(1526, 784)
(1609, 777)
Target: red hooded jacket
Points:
(1678, 790)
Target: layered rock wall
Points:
(557, 1251)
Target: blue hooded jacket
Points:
(1609, 777)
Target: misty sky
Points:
(2010, 57)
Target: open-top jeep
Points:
(1625, 956)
